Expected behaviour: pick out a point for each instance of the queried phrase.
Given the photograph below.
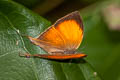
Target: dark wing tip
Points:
(71, 16)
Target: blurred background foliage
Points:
(101, 20)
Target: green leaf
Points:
(15, 20)
(101, 44)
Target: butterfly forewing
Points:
(72, 33)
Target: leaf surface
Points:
(15, 21)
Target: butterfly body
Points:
(62, 38)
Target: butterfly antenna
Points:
(27, 55)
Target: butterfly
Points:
(62, 39)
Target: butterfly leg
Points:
(27, 55)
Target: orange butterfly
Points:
(61, 39)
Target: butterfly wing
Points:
(50, 41)
(65, 34)
(57, 56)
(71, 28)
